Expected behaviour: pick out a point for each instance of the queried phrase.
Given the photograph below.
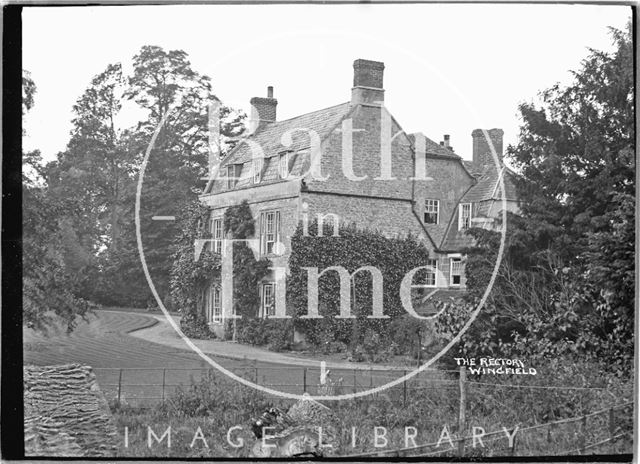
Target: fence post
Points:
(462, 411)
(515, 439)
(404, 388)
(355, 382)
(164, 376)
(612, 428)
(304, 380)
(119, 385)
(583, 434)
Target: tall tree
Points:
(164, 84)
(565, 285)
(96, 165)
(48, 287)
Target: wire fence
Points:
(512, 440)
(601, 431)
(146, 387)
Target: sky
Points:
(449, 68)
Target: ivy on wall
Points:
(354, 248)
(247, 270)
(190, 277)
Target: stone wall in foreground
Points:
(66, 414)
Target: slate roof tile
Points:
(487, 187)
(269, 137)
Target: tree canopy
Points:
(90, 188)
(565, 285)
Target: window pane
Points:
(284, 166)
(268, 299)
(270, 231)
(465, 215)
(217, 308)
(431, 208)
(456, 271)
(257, 170)
(430, 278)
(270, 223)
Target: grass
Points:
(216, 404)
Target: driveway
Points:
(140, 358)
(164, 334)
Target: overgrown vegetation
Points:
(216, 404)
(50, 290)
(247, 270)
(566, 284)
(373, 339)
(274, 334)
(190, 277)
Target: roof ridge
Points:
(307, 113)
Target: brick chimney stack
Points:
(481, 149)
(263, 110)
(367, 82)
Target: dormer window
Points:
(256, 170)
(464, 216)
(283, 165)
(233, 174)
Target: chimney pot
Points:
(270, 91)
(446, 140)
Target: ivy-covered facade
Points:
(293, 172)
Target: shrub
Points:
(375, 346)
(275, 334)
(194, 325)
(213, 396)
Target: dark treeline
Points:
(81, 205)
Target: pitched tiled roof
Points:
(454, 239)
(487, 187)
(481, 195)
(433, 148)
(269, 137)
(474, 168)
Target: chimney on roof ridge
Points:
(482, 150)
(263, 110)
(367, 82)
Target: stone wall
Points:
(66, 414)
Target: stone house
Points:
(353, 163)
